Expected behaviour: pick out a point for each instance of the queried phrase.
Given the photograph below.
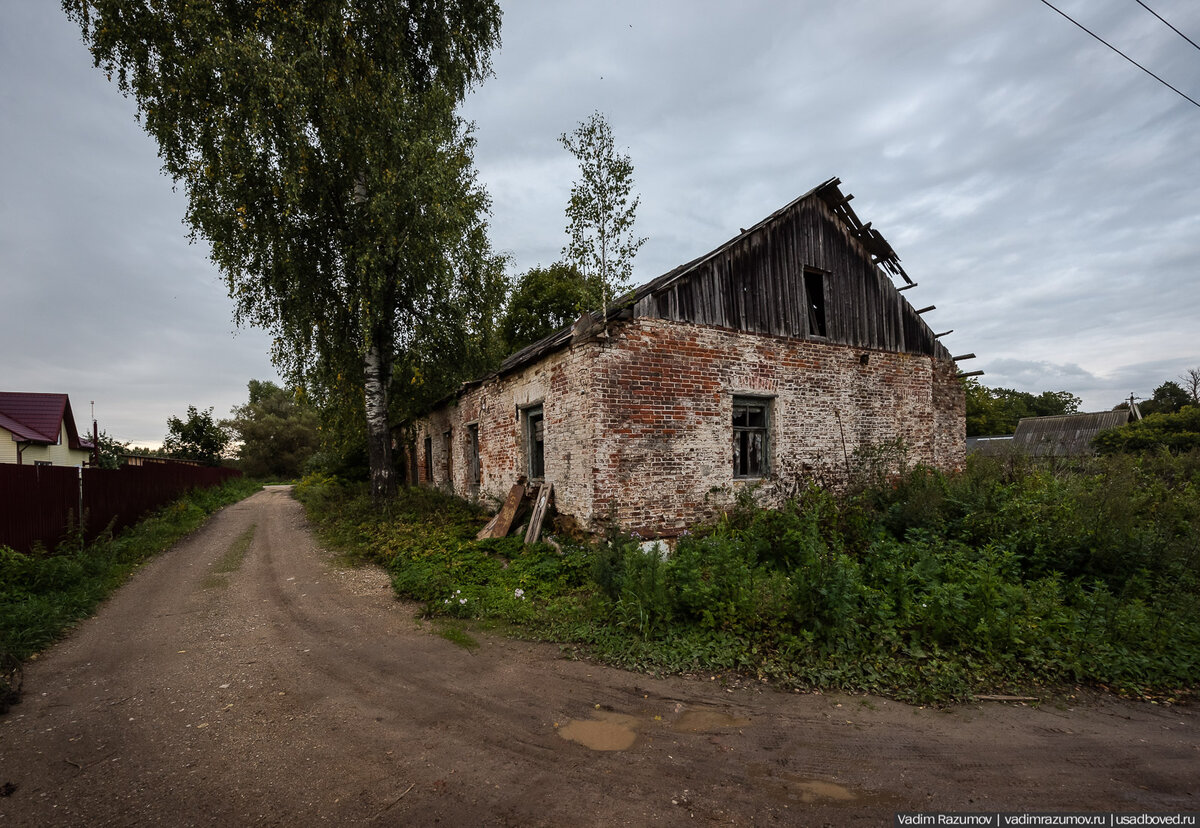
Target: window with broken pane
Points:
(474, 467)
(750, 436)
(535, 443)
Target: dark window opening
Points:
(428, 459)
(750, 446)
(535, 443)
(447, 447)
(814, 292)
(474, 469)
(412, 465)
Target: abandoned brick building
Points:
(768, 361)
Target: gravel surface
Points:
(277, 688)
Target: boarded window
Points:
(750, 436)
(474, 468)
(535, 442)
(428, 459)
(814, 295)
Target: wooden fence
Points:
(39, 504)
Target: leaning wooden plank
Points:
(539, 513)
(499, 526)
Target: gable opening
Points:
(814, 298)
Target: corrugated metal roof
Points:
(39, 418)
(1064, 435)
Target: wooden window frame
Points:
(428, 458)
(535, 449)
(745, 465)
(474, 461)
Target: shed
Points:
(1065, 435)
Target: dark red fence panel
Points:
(39, 504)
(34, 504)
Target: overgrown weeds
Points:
(1008, 576)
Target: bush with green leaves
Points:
(1177, 432)
(1009, 575)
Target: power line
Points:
(1186, 97)
(1164, 20)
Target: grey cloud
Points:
(1040, 189)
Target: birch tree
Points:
(602, 209)
(323, 159)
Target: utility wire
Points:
(1160, 17)
(1186, 97)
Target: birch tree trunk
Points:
(379, 437)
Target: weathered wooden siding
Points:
(756, 284)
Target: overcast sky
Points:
(1043, 192)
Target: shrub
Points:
(924, 585)
(1177, 433)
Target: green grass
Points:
(43, 595)
(231, 561)
(457, 635)
(1011, 577)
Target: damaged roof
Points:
(661, 297)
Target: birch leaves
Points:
(602, 209)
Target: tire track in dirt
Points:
(295, 692)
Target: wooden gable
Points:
(810, 271)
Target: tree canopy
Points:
(544, 300)
(325, 163)
(198, 438)
(995, 411)
(1168, 398)
(110, 450)
(1176, 432)
(1190, 382)
(276, 431)
(602, 209)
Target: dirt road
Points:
(279, 689)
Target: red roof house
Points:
(39, 429)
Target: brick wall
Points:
(638, 425)
(560, 384)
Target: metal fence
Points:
(41, 504)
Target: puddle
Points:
(814, 790)
(789, 787)
(698, 721)
(608, 731)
